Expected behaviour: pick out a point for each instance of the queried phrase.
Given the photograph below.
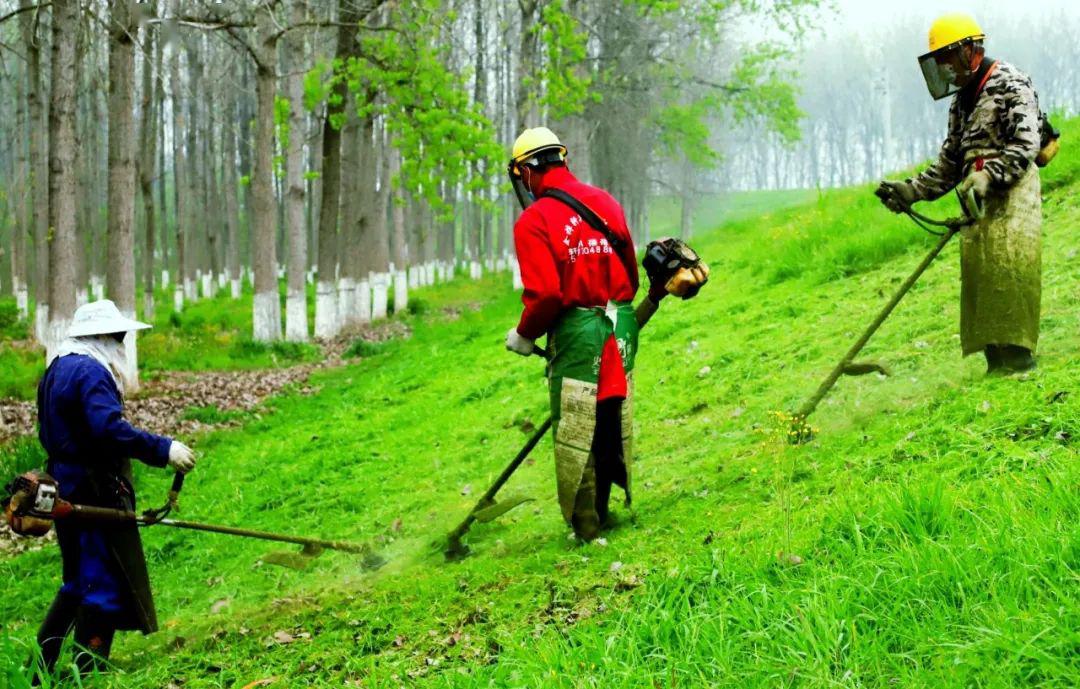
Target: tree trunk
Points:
(147, 163)
(327, 320)
(195, 188)
(180, 174)
(63, 189)
(379, 249)
(39, 168)
(19, 196)
(399, 247)
(232, 198)
(349, 209)
(120, 267)
(296, 326)
(266, 314)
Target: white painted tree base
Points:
(207, 285)
(516, 269)
(97, 287)
(401, 292)
(130, 374)
(234, 288)
(476, 270)
(22, 301)
(379, 295)
(165, 279)
(82, 296)
(327, 323)
(190, 293)
(296, 316)
(266, 317)
(41, 323)
(56, 331)
(346, 294)
(178, 299)
(362, 302)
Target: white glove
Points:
(181, 457)
(518, 344)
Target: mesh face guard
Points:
(944, 70)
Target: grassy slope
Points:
(935, 517)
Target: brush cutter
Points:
(667, 261)
(973, 211)
(35, 504)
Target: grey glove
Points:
(897, 196)
(978, 182)
(181, 457)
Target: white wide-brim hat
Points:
(101, 318)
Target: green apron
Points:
(575, 345)
(1001, 269)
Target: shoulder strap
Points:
(587, 214)
(597, 223)
(986, 77)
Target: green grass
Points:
(928, 537)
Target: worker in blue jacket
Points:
(89, 445)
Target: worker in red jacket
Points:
(579, 271)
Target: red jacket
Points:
(566, 263)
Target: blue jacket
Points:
(82, 425)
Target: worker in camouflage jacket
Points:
(997, 134)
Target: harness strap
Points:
(597, 223)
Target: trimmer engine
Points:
(32, 494)
(672, 263)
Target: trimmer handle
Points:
(177, 486)
(540, 352)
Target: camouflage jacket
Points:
(1004, 128)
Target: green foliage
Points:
(12, 326)
(364, 348)
(211, 415)
(442, 136)
(18, 456)
(567, 83)
(282, 109)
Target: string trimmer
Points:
(669, 261)
(35, 503)
(848, 366)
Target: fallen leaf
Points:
(260, 683)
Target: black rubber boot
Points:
(993, 359)
(54, 629)
(1017, 359)
(94, 634)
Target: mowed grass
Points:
(928, 537)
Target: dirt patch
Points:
(165, 403)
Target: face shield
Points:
(945, 71)
(532, 160)
(524, 196)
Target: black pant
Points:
(607, 450)
(94, 634)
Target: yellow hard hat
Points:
(533, 141)
(953, 28)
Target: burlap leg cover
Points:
(574, 425)
(627, 414)
(1001, 270)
